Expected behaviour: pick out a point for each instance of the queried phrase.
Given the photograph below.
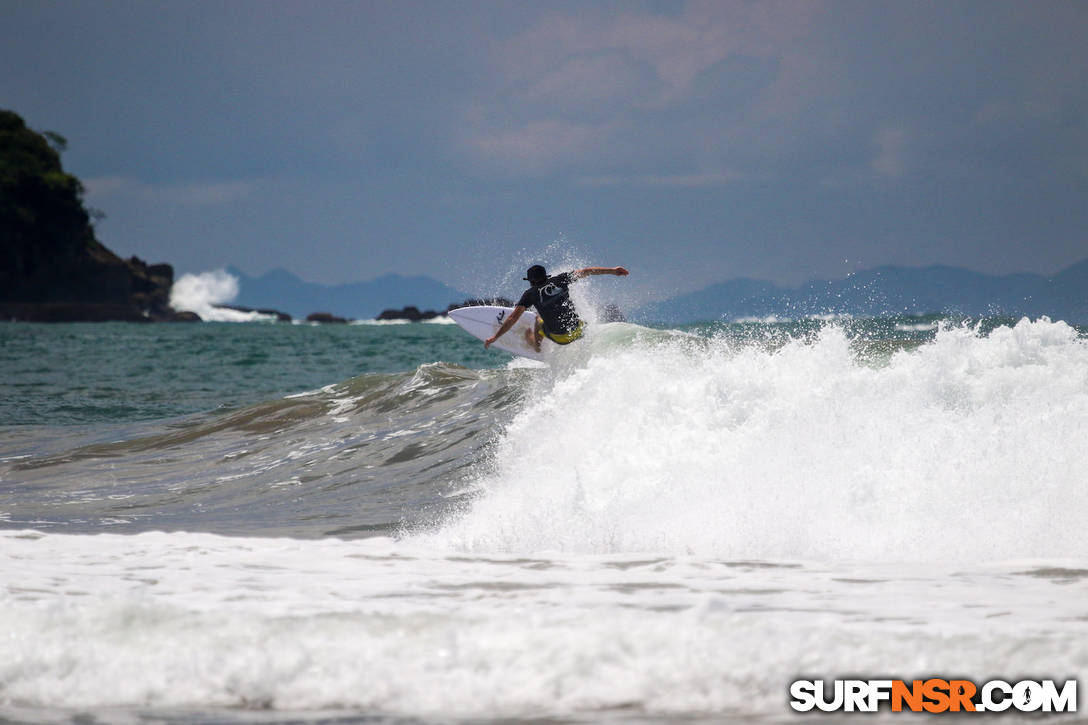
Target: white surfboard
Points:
(484, 321)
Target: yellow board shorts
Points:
(564, 338)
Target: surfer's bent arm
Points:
(506, 325)
(594, 271)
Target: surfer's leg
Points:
(534, 335)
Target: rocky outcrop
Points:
(325, 318)
(52, 268)
(413, 314)
(407, 313)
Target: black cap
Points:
(536, 273)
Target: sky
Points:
(691, 142)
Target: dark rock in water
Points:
(280, 316)
(325, 318)
(52, 268)
(186, 316)
(408, 313)
(611, 313)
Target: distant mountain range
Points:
(879, 291)
(886, 290)
(281, 290)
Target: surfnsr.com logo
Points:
(933, 695)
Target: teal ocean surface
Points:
(271, 523)
(118, 372)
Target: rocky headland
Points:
(52, 267)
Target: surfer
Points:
(556, 317)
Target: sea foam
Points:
(114, 626)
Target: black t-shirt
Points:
(552, 303)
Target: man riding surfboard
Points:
(550, 296)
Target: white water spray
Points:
(200, 293)
(969, 448)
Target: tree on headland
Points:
(41, 207)
(58, 142)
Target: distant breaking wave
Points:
(200, 293)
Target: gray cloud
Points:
(348, 139)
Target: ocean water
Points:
(268, 523)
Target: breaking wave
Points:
(203, 293)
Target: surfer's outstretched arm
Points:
(593, 271)
(506, 325)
